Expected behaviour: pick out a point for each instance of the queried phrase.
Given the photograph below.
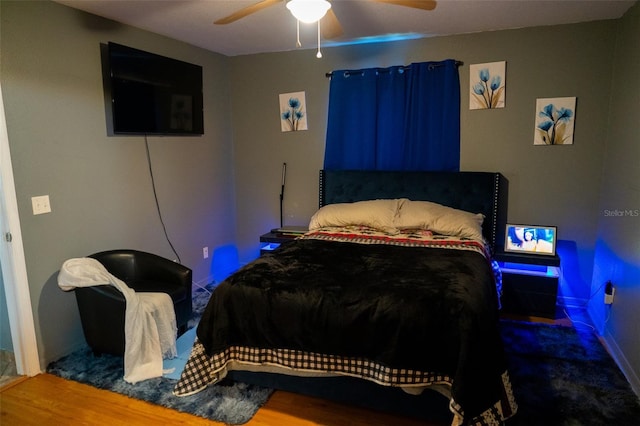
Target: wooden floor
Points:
(50, 400)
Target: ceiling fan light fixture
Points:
(308, 11)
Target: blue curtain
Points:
(397, 118)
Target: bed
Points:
(393, 287)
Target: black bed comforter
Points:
(408, 308)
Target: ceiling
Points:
(274, 29)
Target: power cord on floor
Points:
(591, 296)
(201, 287)
(574, 322)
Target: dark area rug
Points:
(564, 376)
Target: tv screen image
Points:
(532, 239)
(152, 94)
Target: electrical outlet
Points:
(205, 252)
(40, 204)
(608, 298)
(609, 292)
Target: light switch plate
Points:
(41, 204)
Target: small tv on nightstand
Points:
(530, 270)
(530, 239)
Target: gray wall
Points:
(99, 186)
(618, 238)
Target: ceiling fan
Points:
(331, 27)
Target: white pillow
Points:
(378, 214)
(439, 219)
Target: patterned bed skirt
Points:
(203, 370)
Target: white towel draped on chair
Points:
(150, 319)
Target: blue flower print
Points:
(294, 114)
(552, 130)
(488, 91)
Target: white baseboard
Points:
(571, 302)
(621, 360)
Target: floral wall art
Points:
(487, 85)
(554, 121)
(293, 112)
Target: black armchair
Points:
(102, 308)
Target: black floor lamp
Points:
(284, 177)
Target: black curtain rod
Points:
(406, 67)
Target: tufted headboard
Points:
(475, 192)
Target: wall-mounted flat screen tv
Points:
(531, 239)
(152, 94)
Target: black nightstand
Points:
(272, 240)
(529, 283)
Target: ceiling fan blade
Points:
(246, 11)
(416, 4)
(330, 26)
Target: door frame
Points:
(13, 264)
